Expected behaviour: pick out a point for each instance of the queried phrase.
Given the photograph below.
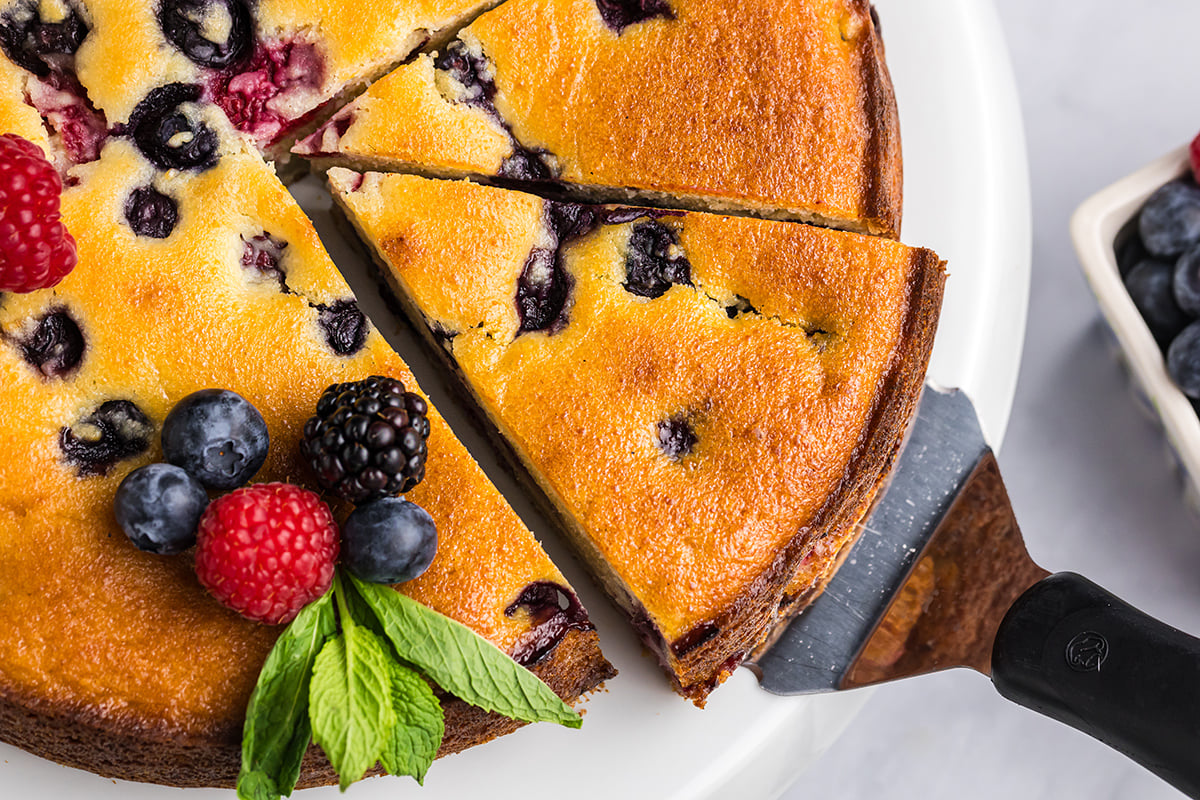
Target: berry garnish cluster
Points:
(36, 251)
(268, 550)
(1160, 265)
(354, 669)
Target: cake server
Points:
(940, 578)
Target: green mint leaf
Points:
(351, 701)
(419, 726)
(277, 732)
(461, 661)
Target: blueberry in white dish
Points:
(158, 507)
(1170, 219)
(1183, 360)
(388, 541)
(1186, 281)
(1151, 286)
(217, 436)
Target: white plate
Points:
(967, 197)
(1094, 229)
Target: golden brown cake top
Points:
(130, 640)
(783, 107)
(691, 390)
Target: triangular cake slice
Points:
(781, 108)
(116, 660)
(709, 403)
(272, 65)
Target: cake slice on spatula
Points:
(707, 403)
(782, 109)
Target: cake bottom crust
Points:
(572, 669)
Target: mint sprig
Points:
(277, 729)
(420, 726)
(462, 662)
(351, 698)
(346, 674)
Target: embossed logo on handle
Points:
(1087, 651)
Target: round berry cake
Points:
(735, 389)
(709, 403)
(193, 269)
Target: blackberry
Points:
(367, 440)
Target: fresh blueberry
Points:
(1170, 219)
(217, 436)
(158, 507)
(1150, 286)
(1183, 360)
(1186, 281)
(1130, 251)
(388, 541)
(186, 24)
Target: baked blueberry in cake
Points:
(707, 403)
(196, 270)
(784, 109)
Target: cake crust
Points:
(85, 739)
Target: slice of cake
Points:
(117, 660)
(784, 109)
(271, 65)
(708, 403)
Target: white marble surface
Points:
(1106, 86)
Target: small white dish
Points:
(1098, 227)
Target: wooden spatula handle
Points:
(1076, 653)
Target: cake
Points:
(707, 403)
(197, 269)
(274, 66)
(779, 108)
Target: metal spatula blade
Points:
(819, 648)
(940, 578)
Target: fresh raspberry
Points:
(267, 550)
(1194, 151)
(36, 251)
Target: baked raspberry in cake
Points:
(708, 403)
(784, 109)
(271, 65)
(196, 269)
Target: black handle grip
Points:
(1076, 653)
